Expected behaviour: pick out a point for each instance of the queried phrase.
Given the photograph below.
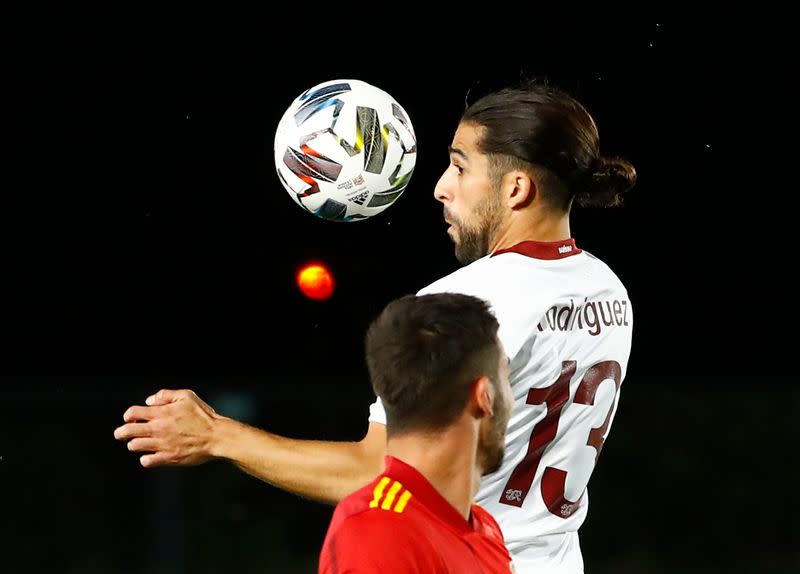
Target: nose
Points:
(441, 191)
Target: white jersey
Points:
(565, 322)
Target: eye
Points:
(459, 169)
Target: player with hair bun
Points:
(520, 158)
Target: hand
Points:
(177, 428)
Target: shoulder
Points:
(601, 269)
(485, 523)
(499, 272)
(368, 538)
(488, 278)
(462, 280)
(383, 503)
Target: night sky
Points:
(150, 243)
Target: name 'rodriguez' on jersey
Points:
(591, 315)
(565, 322)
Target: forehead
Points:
(466, 140)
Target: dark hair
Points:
(539, 128)
(423, 354)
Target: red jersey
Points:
(400, 524)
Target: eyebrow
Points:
(458, 152)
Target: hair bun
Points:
(610, 178)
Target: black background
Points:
(148, 244)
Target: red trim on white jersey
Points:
(543, 249)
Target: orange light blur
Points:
(315, 281)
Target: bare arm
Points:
(180, 429)
(324, 471)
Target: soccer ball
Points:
(345, 150)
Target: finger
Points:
(137, 413)
(142, 445)
(165, 396)
(132, 430)
(155, 459)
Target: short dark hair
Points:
(423, 354)
(539, 128)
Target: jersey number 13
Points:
(555, 397)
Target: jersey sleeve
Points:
(377, 414)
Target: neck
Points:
(536, 226)
(447, 459)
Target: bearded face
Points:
(473, 232)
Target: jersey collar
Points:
(543, 249)
(424, 491)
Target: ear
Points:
(481, 397)
(520, 189)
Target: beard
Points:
(492, 450)
(492, 441)
(473, 239)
